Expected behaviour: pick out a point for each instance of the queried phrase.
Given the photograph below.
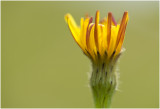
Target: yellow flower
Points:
(102, 39)
(102, 42)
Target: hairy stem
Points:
(103, 83)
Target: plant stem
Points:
(103, 84)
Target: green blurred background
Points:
(43, 67)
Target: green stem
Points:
(102, 98)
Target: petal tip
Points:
(66, 16)
(109, 13)
(126, 13)
(97, 14)
(97, 11)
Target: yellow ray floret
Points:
(102, 39)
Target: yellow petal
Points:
(101, 32)
(96, 30)
(88, 31)
(84, 25)
(104, 42)
(91, 45)
(109, 28)
(74, 29)
(122, 33)
(122, 25)
(114, 32)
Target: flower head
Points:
(101, 40)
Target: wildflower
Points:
(102, 42)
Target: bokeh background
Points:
(43, 67)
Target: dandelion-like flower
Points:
(102, 42)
